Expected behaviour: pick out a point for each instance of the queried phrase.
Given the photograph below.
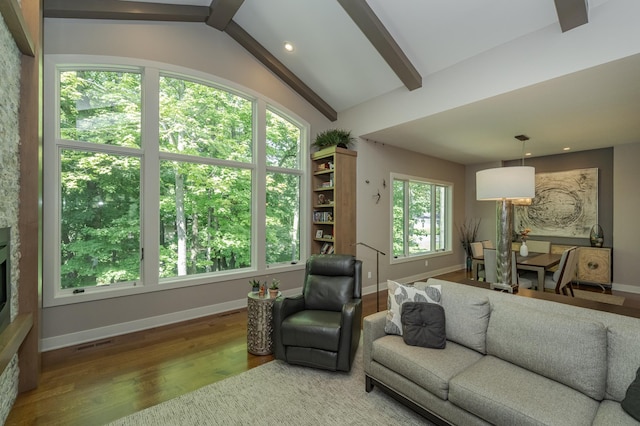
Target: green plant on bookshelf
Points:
(334, 137)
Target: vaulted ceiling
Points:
(349, 52)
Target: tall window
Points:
(145, 157)
(99, 193)
(420, 216)
(205, 206)
(283, 187)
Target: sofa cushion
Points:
(467, 314)
(505, 394)
(624, 359)
(611, 413)
(431, 369)
(566, 349)
(423, 324)
(631, 401)
(401, 293)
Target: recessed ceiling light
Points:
(566, 148)
(288, 46)
(528, 154)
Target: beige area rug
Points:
(599, 297)
(280, 394)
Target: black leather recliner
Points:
(321, 327)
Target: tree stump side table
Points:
(260, 324)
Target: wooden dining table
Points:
(536, 262)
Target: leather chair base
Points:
(309, 357)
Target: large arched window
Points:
(158, 177)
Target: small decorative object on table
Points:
(596, 236)
(273, 288)
(255, 286)
(524, 234)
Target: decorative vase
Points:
(596, 236)
(469, 263)
(273, 293)
(524, 250)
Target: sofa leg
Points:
(368, 384)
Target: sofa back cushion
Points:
(467, 311)
(563, 348)
(624, 359)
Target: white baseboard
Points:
(626, 288)
(100, 333)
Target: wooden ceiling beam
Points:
(244, 39)
(12, 14)
(222, 12)
(124, 10)
(572, 13)
(366, 19)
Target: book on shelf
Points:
(320, 216)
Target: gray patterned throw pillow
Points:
(401, 293)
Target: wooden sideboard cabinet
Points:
(594, 265)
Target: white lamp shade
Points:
(506, 183)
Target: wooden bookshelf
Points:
(334, 201)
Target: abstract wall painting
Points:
(565, 205)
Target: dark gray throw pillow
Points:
(423, 324)
(631, 401)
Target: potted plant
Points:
(255, 286)
(273, 288)
(334, 137)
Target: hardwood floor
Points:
(96, 384)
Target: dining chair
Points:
(536, 246)
(491, 274)
(476, 251)
(522, 282)
(487, 244)
(490, 265)
(562, 279)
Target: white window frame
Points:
(449, 189)
(151, 156)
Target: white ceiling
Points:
(594, 108)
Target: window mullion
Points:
(407, 218)
(150, 220)
(258, 216)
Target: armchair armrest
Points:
(373, 328)
(350, 333)
(282, 308)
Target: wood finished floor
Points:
(120, 376)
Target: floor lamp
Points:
(378, 253)
(503, 185)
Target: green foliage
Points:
(275, 284)
(334, 137)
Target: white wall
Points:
(626, 223)
(375, 164)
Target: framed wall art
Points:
(565, 205)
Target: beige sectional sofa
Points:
(510, 360)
